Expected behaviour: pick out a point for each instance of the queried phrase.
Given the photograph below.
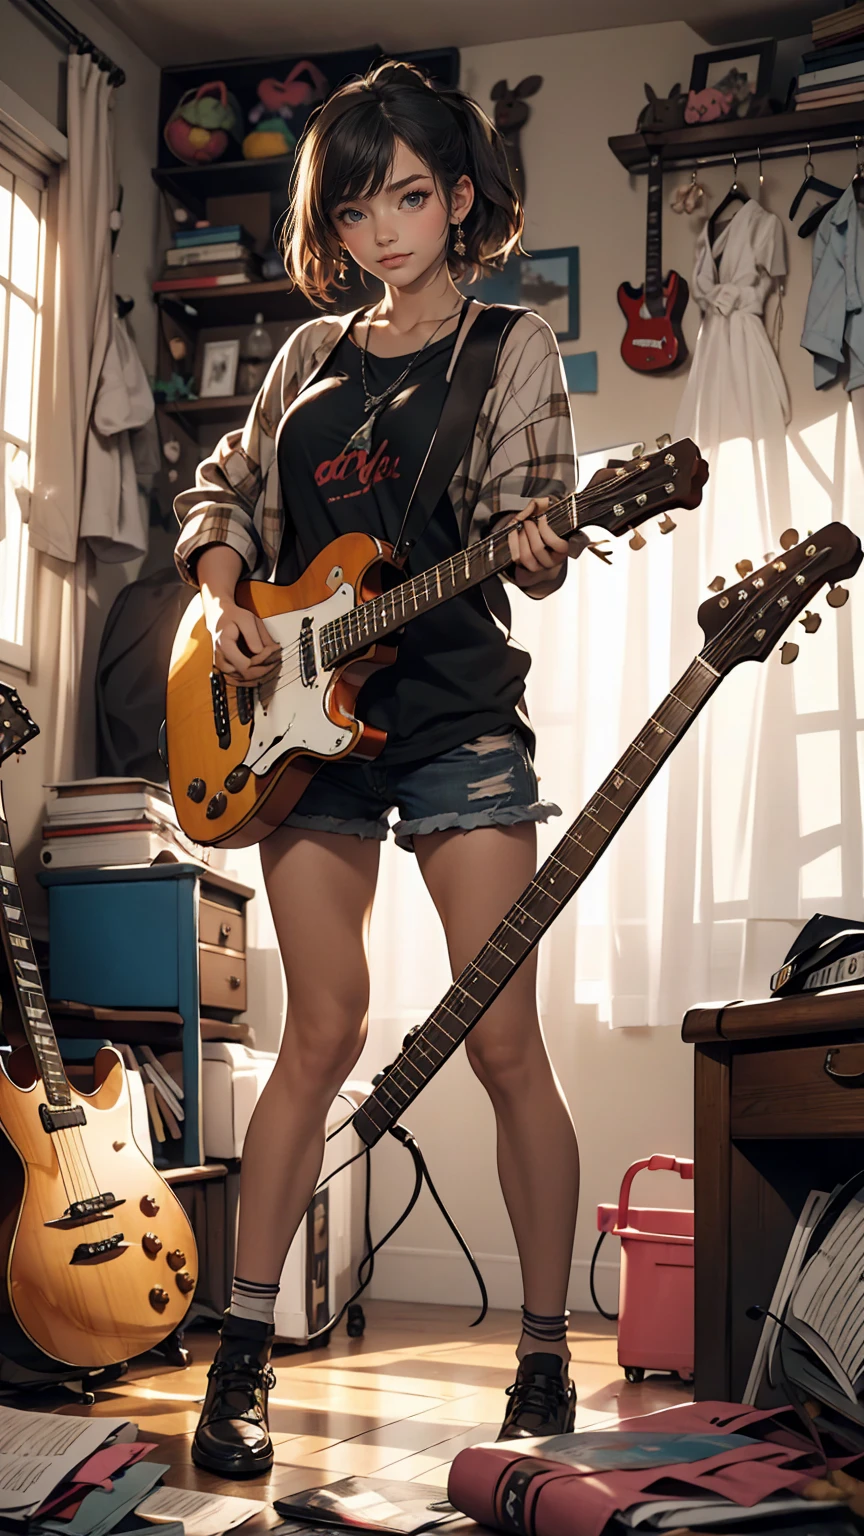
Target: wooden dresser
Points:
(152, 937)
(779, 1110)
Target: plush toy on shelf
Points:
(202, 123)
(281, 102)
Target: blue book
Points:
(823, 58)
(212, 235)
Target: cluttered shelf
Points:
(275, 299)
(192, 185)
(740, 136)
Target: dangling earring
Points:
(342, 268)
(459, 242)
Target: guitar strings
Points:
(485, 547)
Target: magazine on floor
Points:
(370, 1504)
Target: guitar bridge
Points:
(79, 1209)
(85, 1252)
(58, 1119)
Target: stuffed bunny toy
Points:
(511, 115)
(662, 114)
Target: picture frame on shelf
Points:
(219, 368)
(546, 282)
(753, 61)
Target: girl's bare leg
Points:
(320, 886)
(473, 878)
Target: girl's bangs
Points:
(358, 157)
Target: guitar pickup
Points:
(59, 1119)
(308, 668)
(245, 706)
(85, 1252)
(80, 1209)
(221, 717)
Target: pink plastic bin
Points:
(655, 1303)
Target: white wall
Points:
(32, 64)
(630, 1090)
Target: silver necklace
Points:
(373, 405)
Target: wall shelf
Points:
(774, 136)
(216, 405)
(193, 184)
(239, 304)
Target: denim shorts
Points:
(489, 782)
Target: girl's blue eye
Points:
(350, 215)
(421, 196)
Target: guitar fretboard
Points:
(529, 918)
(654, 301)
(25, 977)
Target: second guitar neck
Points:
(529, 918)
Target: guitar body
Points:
(654, 344)
(300, 721)
(86, 1311)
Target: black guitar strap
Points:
(473, 373)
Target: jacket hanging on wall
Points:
(114, 516)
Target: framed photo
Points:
(745, 70)
(219, 368)
(545, 281)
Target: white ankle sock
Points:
(253, 1301)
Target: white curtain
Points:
(754, 824)
(79, 308)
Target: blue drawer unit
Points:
(129, 938)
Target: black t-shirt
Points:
(456, 677)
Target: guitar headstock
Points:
(620, 499)
(16, 725)
(744, 621)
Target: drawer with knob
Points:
(222, 927)
(223, 979)
(809, 1091)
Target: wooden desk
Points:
(770, 1125)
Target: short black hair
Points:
(348, 150)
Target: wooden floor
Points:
(400, 1402)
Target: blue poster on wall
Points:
(545, 281)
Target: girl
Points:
(410, 182)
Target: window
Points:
(22, 253)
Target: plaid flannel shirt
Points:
(522, 448)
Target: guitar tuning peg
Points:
(717, 584)
(637, 541)
(666, 524)
(638, 450)
(768, 556)
(788, 652)
(663, 440)
(789, 539)
(744, 567)
(837, 597)
(810, 622)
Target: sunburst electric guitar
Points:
(742, 623)
(97, 1254)
(240, 758)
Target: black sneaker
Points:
(233, 1438)
(542, 1401)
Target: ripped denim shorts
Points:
(489, 782)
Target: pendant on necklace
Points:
(361, 442)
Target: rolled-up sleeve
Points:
(532, 452)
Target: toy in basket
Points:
(655, 1298)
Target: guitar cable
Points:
(406, 1139)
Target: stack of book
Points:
(833, 73)
(215, 256)
(162, 1078)
(93, 823)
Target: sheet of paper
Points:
(103, 1508)
(37, 1450)
(203, 1514)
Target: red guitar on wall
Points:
(653, 341)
